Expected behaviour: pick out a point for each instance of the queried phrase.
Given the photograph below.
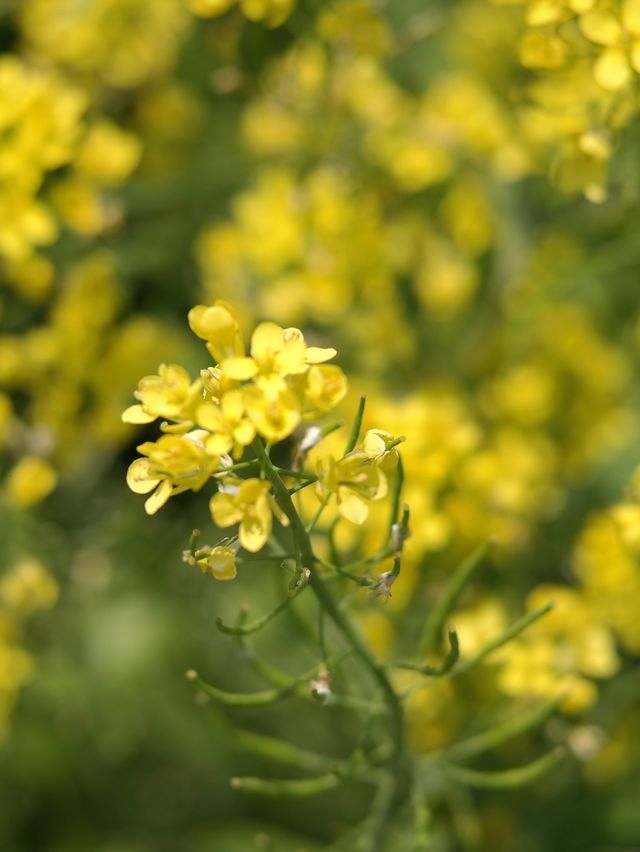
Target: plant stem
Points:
(330, 605)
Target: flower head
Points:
(220, 563)
(354, 482)
(249, 503)
(169, 394)
(173, 464)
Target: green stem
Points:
(329, 604)
(312, 523)
(397, 492)
(238, 466)
(445, 666)
(509, 779)
(282, 752)
(381, 807)
(295, 474)
(357, 425)
(253, 626)
(254, 699)
(284, 787)
(432, 634)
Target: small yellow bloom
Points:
(220, 563)
(354, 482)
(108, 154)
(326, 386)
(274, 415)
(30, 481)
(247, 502)
(380, 447)
(219, 326)
(275, 354)
(174, 463)
(170, 394)
(230, 428)
(619, 35)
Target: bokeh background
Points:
(447, 192)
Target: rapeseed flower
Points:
(249, 503)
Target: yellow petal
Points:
(267, 339)
(612, 70)
(317, 355)
(291, 358)
(251, 490)
(221, 563)
(232, 405)
(239, 369)
(219, 326)
(631, 16)
(374, 444)
(137, 415)
(580, 6)
(255, 528)
(223, 510)
(209, 416)
(158, 498)
(277, 511)
(219, 444)
(382, 485)
(601, 28)
(541, 12)
(326, 386)
(244, 433)
(274, 417)
(139, 478)
(351, 506)
(634, 56)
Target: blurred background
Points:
(448, 193)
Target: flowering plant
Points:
(225, 427)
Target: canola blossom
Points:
(398, 428)
(211, 421)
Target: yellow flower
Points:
(170, 394)
(174, 463)
(122, 43)
(619, 35)
(247, 502)
(275, 354)
(353, 481)
(30, 481)
(560, 652)
(274, 415)
(227, 421)
(326, 386)
(108, 154)
(380, 447)
(220, 563)
(218, 325)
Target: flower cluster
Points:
(63, 379)
(212, 420)
(586, 54)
